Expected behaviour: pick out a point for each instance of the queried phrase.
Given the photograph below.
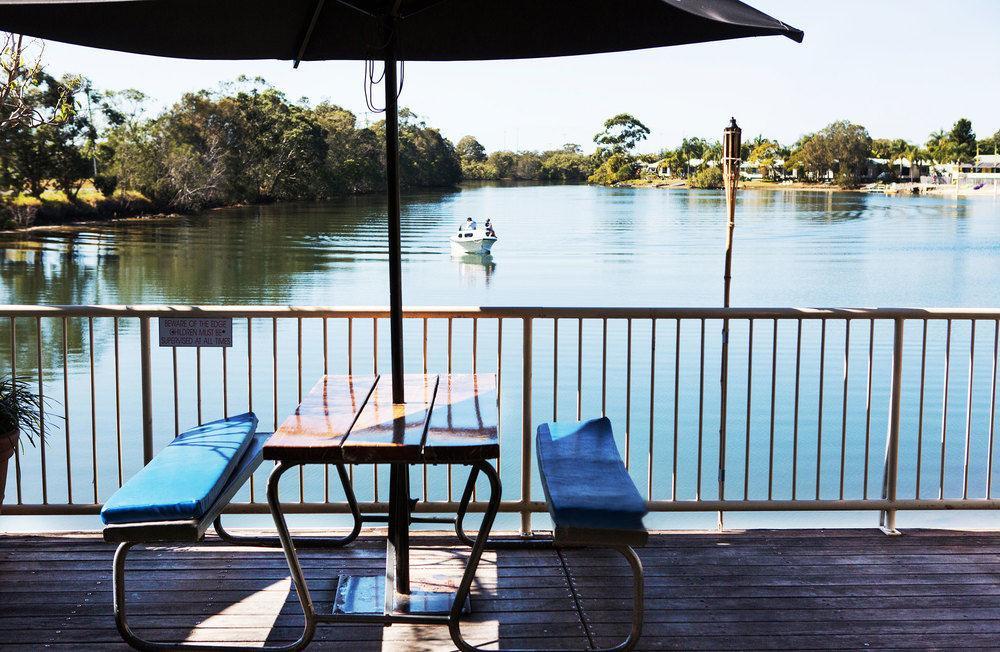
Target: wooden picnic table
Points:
(446, 419)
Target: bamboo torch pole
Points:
(731, 178)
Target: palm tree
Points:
(897, 150)
(915, 153)
(939, 147)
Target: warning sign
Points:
(197, 331)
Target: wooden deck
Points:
(857, 589)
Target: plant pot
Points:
(8, 442)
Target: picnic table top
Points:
(447, 418)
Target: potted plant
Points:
(20, 410)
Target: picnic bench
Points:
(187, 485)
(181, 492)
(591, 499)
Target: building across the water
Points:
(983, 164)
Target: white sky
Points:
(903, 68)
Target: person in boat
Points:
(489, 229)
(470, 225)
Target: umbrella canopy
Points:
(428, 30)
(389, 30)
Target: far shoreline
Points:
(898, 189)
(682, 184)
(81, 222)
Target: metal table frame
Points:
(397, 554)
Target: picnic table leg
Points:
(492, 544)
(294, 568)
(454, 617)
(303, 542)
(399, 525)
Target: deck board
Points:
(737, 590)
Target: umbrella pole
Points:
(395, 249)
(398, 549)
(731, 177)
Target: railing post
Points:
(723, 404)
(147, 390)
(887, 519)
(526, 428)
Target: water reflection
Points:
(614, 247)
(475, 270)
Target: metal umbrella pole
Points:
(392, 189)
(731, 178)
(399, 498)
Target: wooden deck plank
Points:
(747, 590)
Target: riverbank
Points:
(54, 207)
(54, 211)
(682, 184)
(900, 189)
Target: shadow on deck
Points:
(737, 590)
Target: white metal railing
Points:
(808, 390)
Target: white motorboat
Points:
(472, 242)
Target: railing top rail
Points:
(534, 312)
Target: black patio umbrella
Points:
(390, 31)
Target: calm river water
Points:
(561, 246)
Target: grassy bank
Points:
(56, 207)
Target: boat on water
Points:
(474, 240)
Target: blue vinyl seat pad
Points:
(585, 481)
(185, 478)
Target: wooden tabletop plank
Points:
(446, 419)
(463, 424)
(386, 432)
(320, 423)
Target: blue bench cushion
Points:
(586, 484)
(184, 479)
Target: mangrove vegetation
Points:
(70, 150)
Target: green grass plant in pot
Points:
(20, 410)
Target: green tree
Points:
(842, 147)
(47, 151)
(473, 171)
(503, 162)
(621, 134)
(673, 160)
(711, 152)
(274, 149)
(940, 147)
(764, 156)
(470, 149)
(890, 149)
(21, 75)
(691, 148)
(963, 140)
(426, 158)
(616, 168)
(338, 125)
(708, 177)
(990, 145)
(566, 164)
(916, 154)
(128, 152)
